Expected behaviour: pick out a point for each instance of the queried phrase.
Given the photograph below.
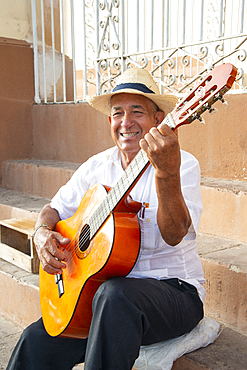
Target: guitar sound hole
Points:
(84, 238)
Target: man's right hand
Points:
(51, 257)
(46, 241)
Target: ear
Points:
(160, 115)
(109, 118)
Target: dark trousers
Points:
(127, 313)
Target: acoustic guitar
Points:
(104, 231)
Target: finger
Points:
(51, 264)
(61, 239)
(152, 140)
(164, 129)
(51, 269)
(57, 252)
(52, 243)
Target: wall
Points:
(16, 99)
(69, 132)
(74, 132)
(15, 19)
(16, 24)
(220, 145)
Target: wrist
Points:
(44, 224)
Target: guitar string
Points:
(133, 170)
(104, 210)
(108, 204)
(72, 249)
(134, 165)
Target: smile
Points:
(129, 134)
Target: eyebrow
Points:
(132, 106)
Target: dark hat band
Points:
(136, 86)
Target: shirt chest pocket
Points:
(149, 229)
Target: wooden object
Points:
(16, 245)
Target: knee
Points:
(110, 291)
(32, 336)
(28, 334)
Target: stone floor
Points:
(9, 335)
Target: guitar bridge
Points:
(60, 286)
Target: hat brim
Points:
(165, 102)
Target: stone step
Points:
(225, 201)
(227, 352)
(36, 177)
(225, 207)
(14, 204)
(225, 266)
(19, 294)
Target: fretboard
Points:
(132, 173)
(116, 194)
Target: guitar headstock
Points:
(204, 95)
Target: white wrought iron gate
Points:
(92, 41)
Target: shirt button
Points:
(148, 220)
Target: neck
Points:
(127, 158)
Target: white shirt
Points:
(156, 259)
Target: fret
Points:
(110, 202)
(92, 222)
(118, 191)
(122, 181)
(169, 121)
(114, 196)
(124, 184)
(106, 209)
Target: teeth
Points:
(129, 134)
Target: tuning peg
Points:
(201, 120)
(224, 101)
(213, 110)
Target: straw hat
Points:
(135, 81)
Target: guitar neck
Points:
(197, 101)
(124, 185)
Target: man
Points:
(162, 297)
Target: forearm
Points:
(173, 216)
(46, 242)
(162, 147)
(48, 216)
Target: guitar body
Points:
(112, 252)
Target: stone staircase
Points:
(29, 184)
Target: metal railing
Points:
(91, 42)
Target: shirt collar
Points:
(116, 158)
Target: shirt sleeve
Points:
(68, 198)
(97, 169)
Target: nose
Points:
(127, 120)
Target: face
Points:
(132, 116)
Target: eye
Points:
(137, 112)
(116, 114)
